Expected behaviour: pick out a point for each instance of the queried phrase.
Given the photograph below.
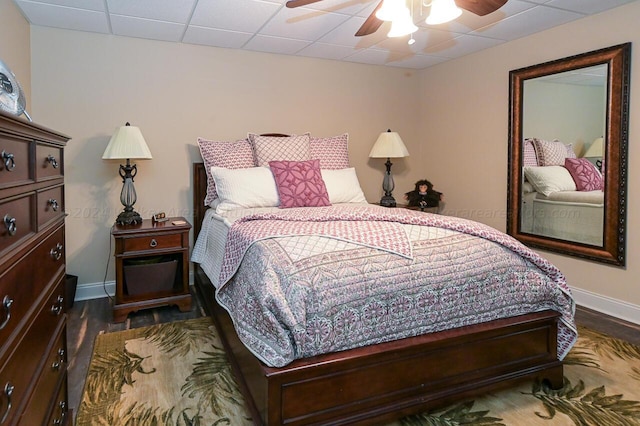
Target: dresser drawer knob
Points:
(8, 391)
(53, 203)
(56, 308)
(153, 242)
(10, 223)
(6, 304)
(57, 363)
(56, 252)
(9, 161)
(63, 416)
(52, 160)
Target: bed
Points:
(385, 379)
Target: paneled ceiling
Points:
(321, 30)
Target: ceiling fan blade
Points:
(372, 23)
(298, 3)
(481, 7)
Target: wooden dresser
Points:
(33, 351)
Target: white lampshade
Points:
(595, 149)
(443, 11)
(389, 145)
(402, 25)
(127, 143)
(390, 9)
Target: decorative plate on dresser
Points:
(33, 352)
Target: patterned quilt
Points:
(393, 277)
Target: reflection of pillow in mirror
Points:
(550, 179)
(550, 153)
(570, 152)
(584, 173)
(529, 159)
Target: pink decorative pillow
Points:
(300, 183)
(276, 148)
(550, 153)
(332, 152)
(230, 155)
(584, 174)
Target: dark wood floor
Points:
(89, 318)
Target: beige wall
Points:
(465, 119)
(453, 118)
(86, 85)
(15, 45)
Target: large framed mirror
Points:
(568, 136)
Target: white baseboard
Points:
(607, 305)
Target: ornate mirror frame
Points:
(612, 250)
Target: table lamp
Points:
(127, 143)
(389, 145)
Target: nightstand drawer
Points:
(153, 242)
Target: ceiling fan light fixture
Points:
(390, 10)
(403, 25)
(443, 11)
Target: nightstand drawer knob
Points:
(6, 304)
(153, 242)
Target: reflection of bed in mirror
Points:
(562, 196)
(567, 215)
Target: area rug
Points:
(177, 374)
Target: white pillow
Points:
(343, 186)
(245, 188)
(548, 179)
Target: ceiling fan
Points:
(371, 25)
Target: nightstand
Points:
(152, 266)
(426, 209)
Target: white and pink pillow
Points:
(276, 148)
(300, 183)
(584, 174)
(230, 155)
(332, 151)
(552, 153)
(530, 159)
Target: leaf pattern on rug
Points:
(212, 382)
(592, 408)
(460, 414)
(179, 340)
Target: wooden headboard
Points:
(199, 193)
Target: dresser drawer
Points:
(50, 205)
(15, 221)
(22, 284)
(48, 161)
(39, 406)
(153, 242)
(28, 350)
(60, 415)
(14, 161)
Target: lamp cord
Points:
(106, 271)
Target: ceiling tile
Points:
(146, 28)
(302, 23)
(64, 17)
(326, 51)
(275, 44)
(163, 10)
(236, 15)
(463, 45)
(214, 37)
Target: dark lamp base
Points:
(388, 201)
(128, 218)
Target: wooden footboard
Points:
(386, 381)
(383, 382)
